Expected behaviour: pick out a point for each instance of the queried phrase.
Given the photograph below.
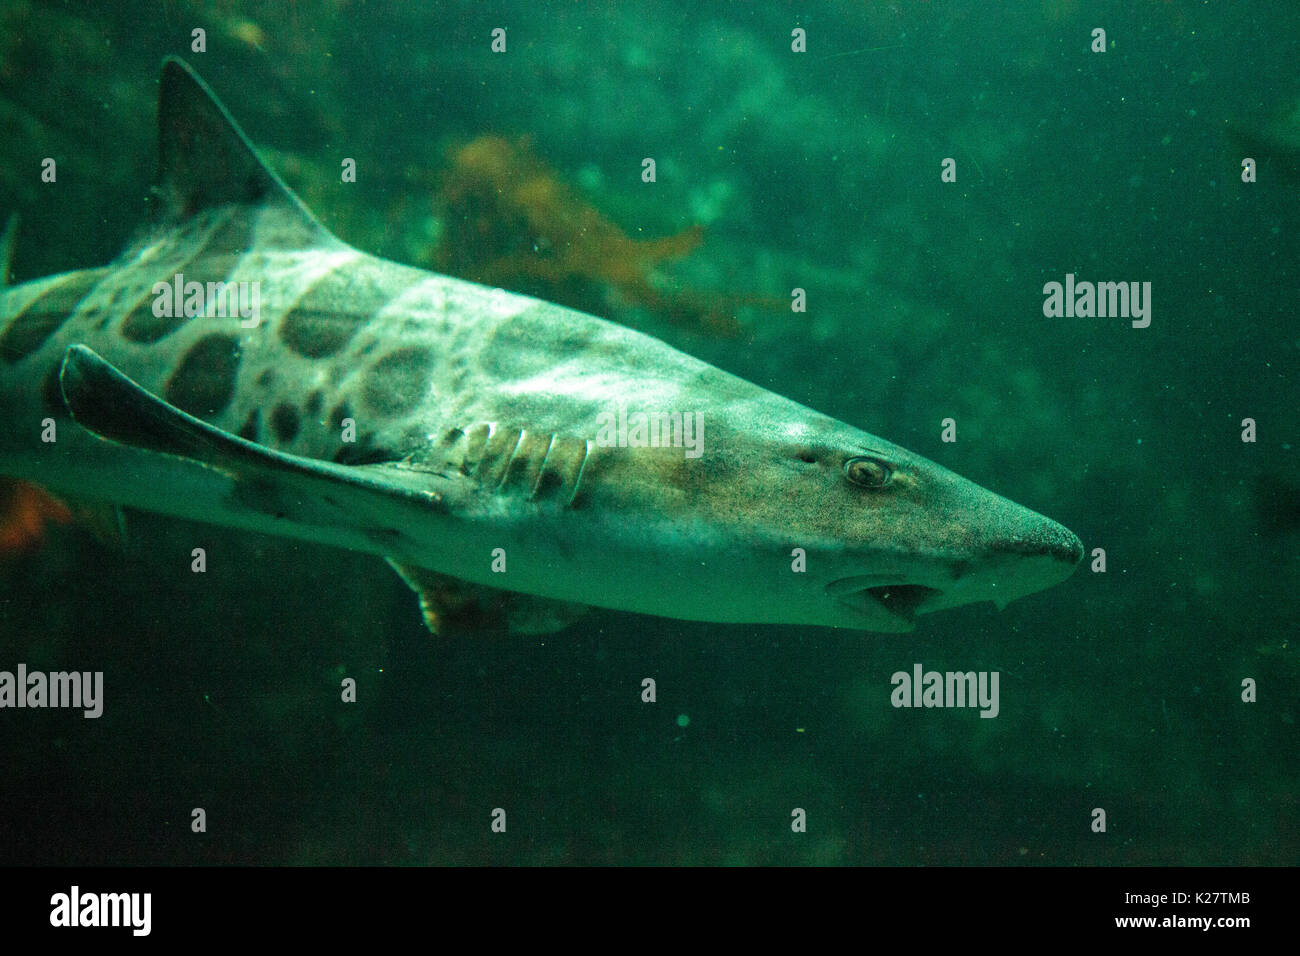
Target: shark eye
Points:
(867, 472)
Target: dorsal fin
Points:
(205, 160)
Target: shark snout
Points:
(1020, 554)
(1037, 554)
(1054, 541)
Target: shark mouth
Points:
(866, 593)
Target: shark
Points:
(516, 461)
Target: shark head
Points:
(795, 517)
(892, 535)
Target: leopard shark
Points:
(518, 462)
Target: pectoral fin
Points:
(304, 490)
(105, 520)
(453, 607)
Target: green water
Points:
(1120, 690)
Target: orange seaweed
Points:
(25, 510)
(511, 220)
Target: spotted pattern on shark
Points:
(210, 255)
(154, 261)
(46, 313)
(398, 382)
(204, 382)
(251, 430)
(338, 305)
(285, 422)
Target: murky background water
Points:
(1119, 690)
